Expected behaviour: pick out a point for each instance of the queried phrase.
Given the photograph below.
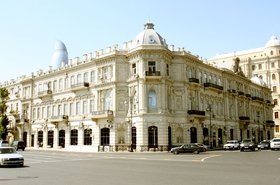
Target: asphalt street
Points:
(154, 168)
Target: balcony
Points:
(196, 112)
(269, 123)
(44, 94)
(152, 73)
(79, 86)
(194, 80)
(60, 118)
(213, 86)
(240, 93)
(248, 95)
(233, 91)
(244, 118)
(257, 99)
(108, 114)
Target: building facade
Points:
(263, 62)
(143, 96)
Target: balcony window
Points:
(86, 77)
(152, 66)
(92, 76)
(133, 68)
(152, 100)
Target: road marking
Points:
(204, 158)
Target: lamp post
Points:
(259, 129)
(209, 108)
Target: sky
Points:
(30, 28)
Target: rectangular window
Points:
(276, 115)
(48, 111)
(274, 89)
(272, 65)
(71, 109)
(78, 108)
(91, 106)
(60, 84)
(85, 110)
(253, 67)
(260, 66)
(86, 77)
(59, 110)
(276, 128)
(92, 76)
(275, 101)
(133, 66)
(152, 66)
(65, 109)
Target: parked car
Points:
(248, 144)
(187, 148)
(18, 145)
(9, 156)
(264, 144)
(275, 144)
(231, 145)
(4, 143)
(203, 147)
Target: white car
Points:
(275, 144)
(9, 156)
(231, 145)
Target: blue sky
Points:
(29, 28)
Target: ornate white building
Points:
(144, 95)
(263, 62)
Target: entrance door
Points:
(152, 137)
(193, 135)
(50, 138)
(61, 138)
(105, 137)
(133, 136)
(220, 137)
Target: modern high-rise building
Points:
(263, 62)
(144, 95)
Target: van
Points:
(18, 145)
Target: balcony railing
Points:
(270, 123)
(240, 93)
(194, 80)
(79, 86)
(248, 95)
(257, 99)
(232, 91)
(95, 115)
(59, 118)
(151, 73)
(214, 86)
(196, 112)
(46, 93)
(244, 118)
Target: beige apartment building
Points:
(263, 62)
(144, 95)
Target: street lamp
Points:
(259, 129)
(209, 109)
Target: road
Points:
(155, 168)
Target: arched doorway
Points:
(152, 137)
(50, 138)
(74, 137)
(25, 138)
(133, 136)
(40, 138)
(61, 138)
(193, 135)
(87, 137)
(169, 138)
(105, 137)
(220, 137)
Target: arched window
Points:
(87, 136)
(273, 77)
(74, 137)
(153, 137)
(105, 136)
(271, 52)
(50, 138)
(152, 101)
(40, 138)
(61, 138)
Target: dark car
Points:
(248, 144)
(187, 148)
(264, 145)
(18, 145)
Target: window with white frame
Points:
(86, 77)
(85, 107)
(92, 76)
(78, 108)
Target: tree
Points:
(4, 95)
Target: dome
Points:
(149, 36)
(273, 42)
(60, 55)
(255, 79)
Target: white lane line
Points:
(203, 159)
